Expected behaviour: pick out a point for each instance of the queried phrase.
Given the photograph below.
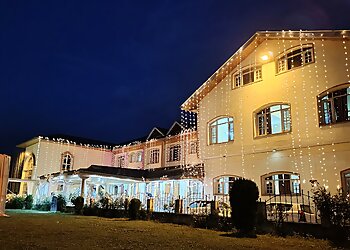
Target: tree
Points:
(243, 198)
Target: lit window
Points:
(135, 157)
(281, 183)
(334, 106)
(67, 161)
(121, 161)
(273, 120)
(153, 156)
(294, 58)
(345, 175)
(193, 148)
(174, 153)
(222, 184)
(248, 75)
(221, 130)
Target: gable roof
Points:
(157, 133)
(191, 104)
(175, 129)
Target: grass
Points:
(51, 231)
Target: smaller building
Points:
(164, 165)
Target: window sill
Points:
(220, 143)
(272, 135)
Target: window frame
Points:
(211, 125)
(223, 183)
(171, 153)
(343, 181)
(63, 163)
(238, 76)
(152, 155)
(121, 159)
(193, 148)
(265, 182)
(331, 106)
(268, 125)
(283, 56)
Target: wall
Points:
(314, 152)
(4, 174)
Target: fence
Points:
(284, 207)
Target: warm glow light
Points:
(265, 57)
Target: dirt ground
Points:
(33, 230)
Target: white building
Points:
(277, 112)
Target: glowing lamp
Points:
(265, 57)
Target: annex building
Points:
(277, 112)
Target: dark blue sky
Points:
(112, 70)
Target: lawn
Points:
(25, 230)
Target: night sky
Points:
(112, 70)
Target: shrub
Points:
(28, 202)
(243, 198)
(61, 203)
(43, 206)
(134, 209)
(15, 202)
(91, 210)
(78, 204)
(334, 212)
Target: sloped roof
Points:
(175, 172)
(191, 103)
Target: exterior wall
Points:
(4, 174)
(49, 156)
(312, 151)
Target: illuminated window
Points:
(280, 183)
(221, 130)
(174, 153)
(345, 176)
(135, 157)
(193, 148)
(247, 75)
(67, 161)
(334, 106)
(273, 120)
(121, 161)
(153, 156)
(295, 57)
(222, 184)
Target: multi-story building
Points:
(277, 112)
(163, 165)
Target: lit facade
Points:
(278, 112)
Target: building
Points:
(277, 112)
(163, 165)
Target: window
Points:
(221, 130)
(345, 175)
(193, 148)
(67, 161)
(174, 153)
(334, 106)
(247, 75)
(222, 184)
(281, 183)
(294, 58)
(60, 188)
(153, 156)
(121, 161)
(273, 120)
(135, 157)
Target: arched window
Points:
(274, 119)
(67, 161)
(280, 183)
(334, 105)
(222, 184)
(295, 57)
(221, 130)
(345, 176)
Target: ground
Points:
(23, 230)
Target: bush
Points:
(78, 204)
(134, 209)
(43, 206)
(28, 202)
(91, 210)
(61, 203)
(243, 198)
(15, 202)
